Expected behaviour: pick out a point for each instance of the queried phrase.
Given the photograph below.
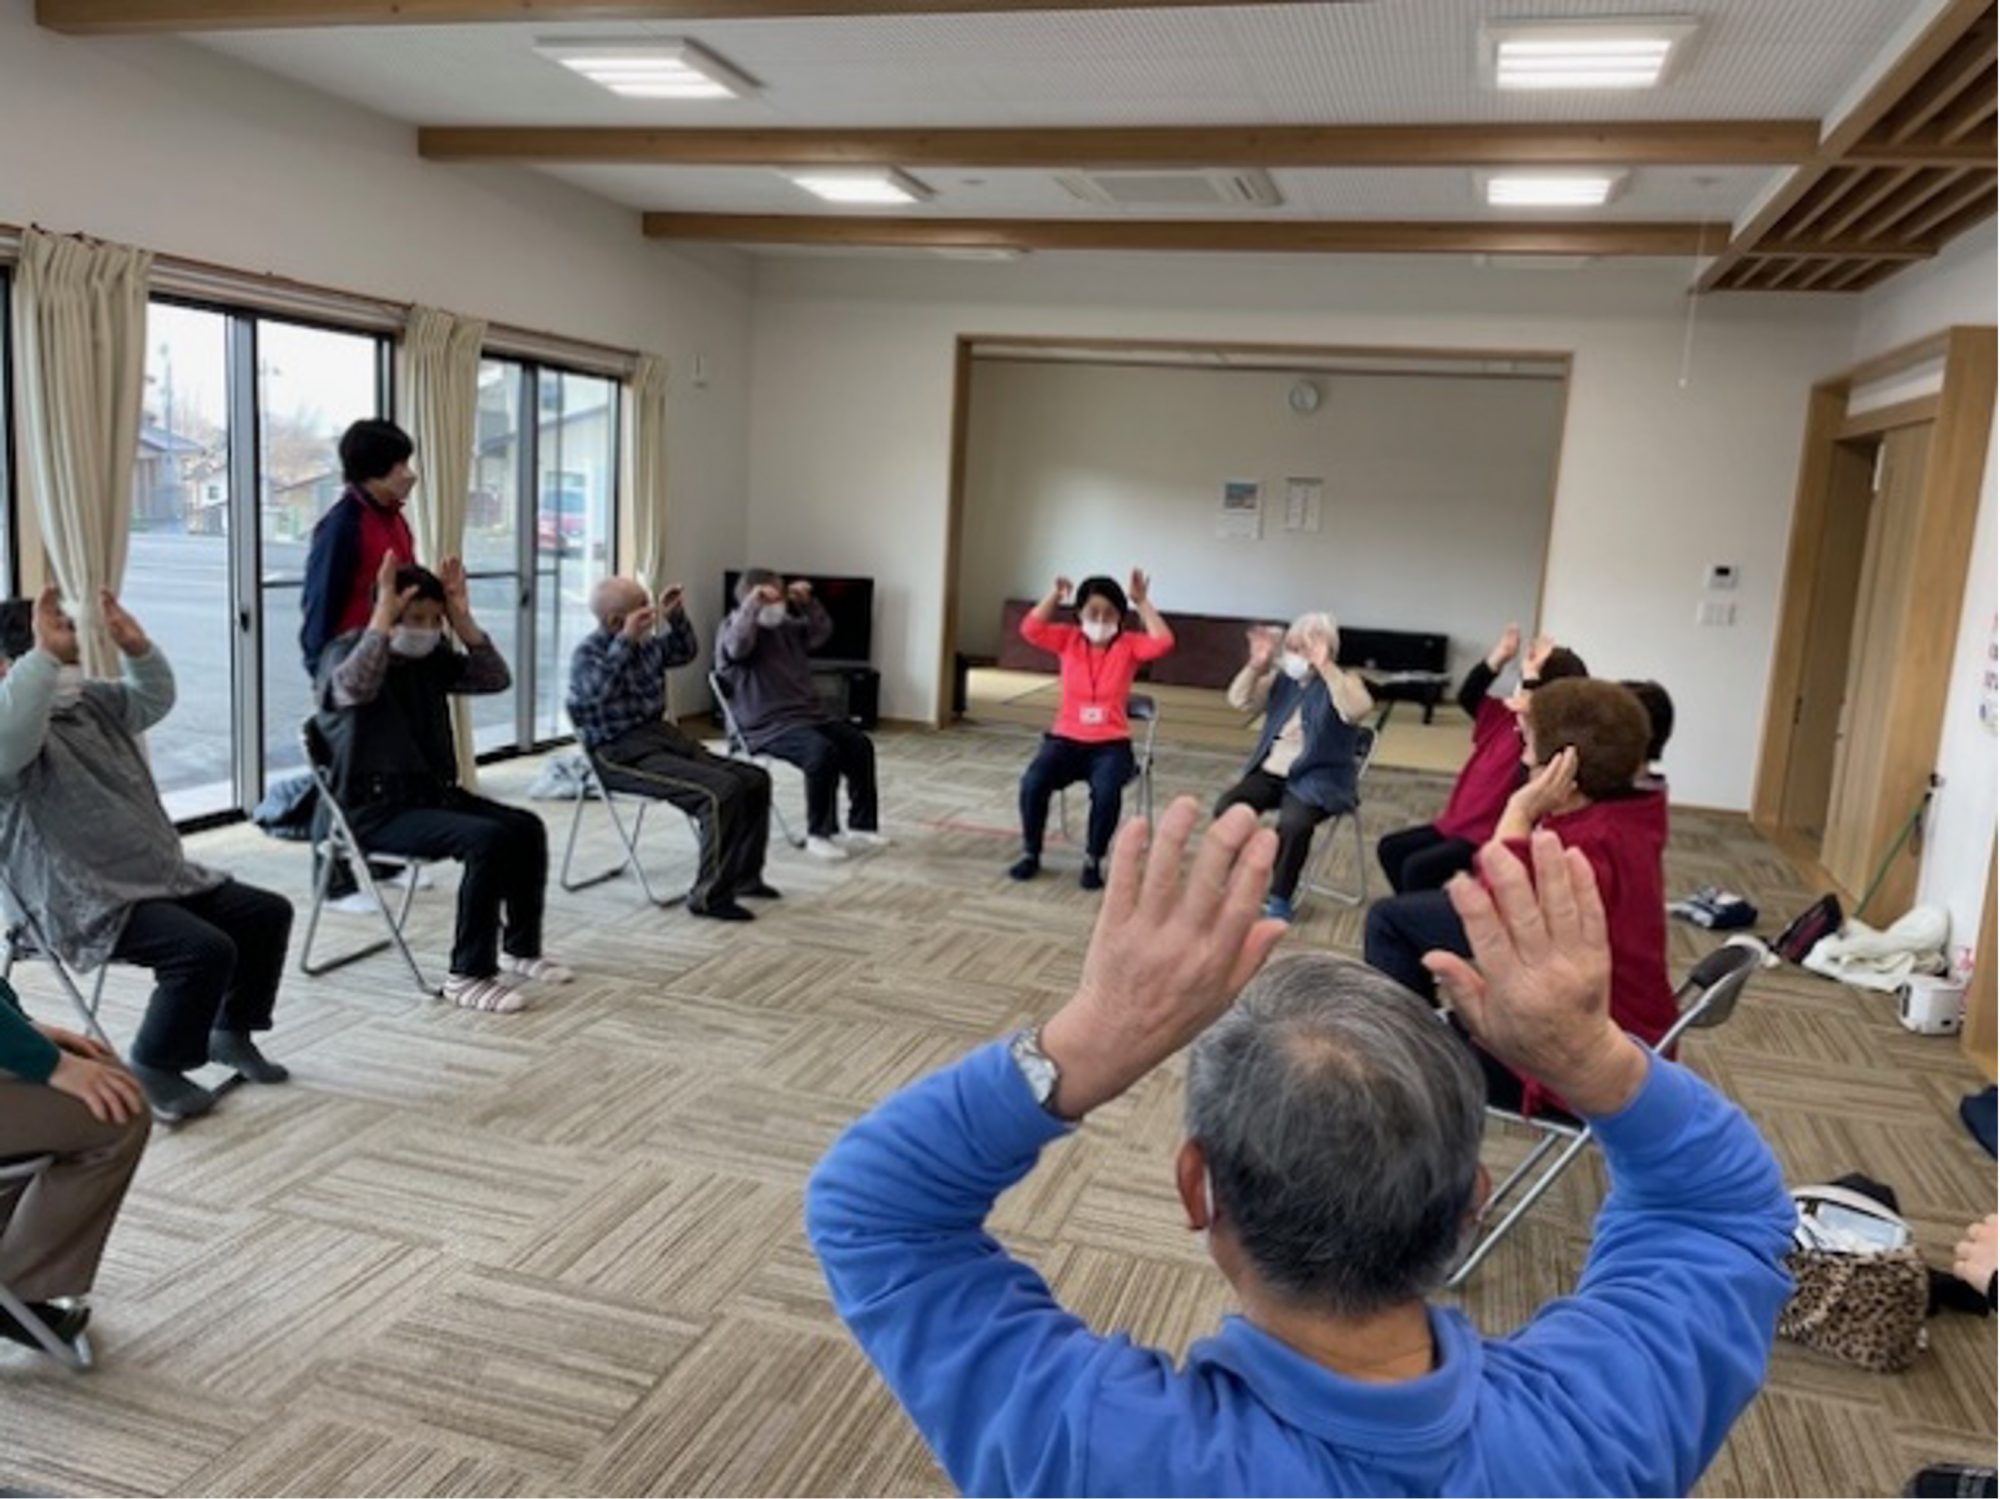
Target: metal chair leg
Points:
(569, 881)
(1318, 881)
(76, 1357)
(1491, 1239)
(335, 846)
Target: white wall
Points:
(852, 390)
(1435, 514)
(159, 143)
(1958, 288)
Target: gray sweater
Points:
(83, 836)
(768, 671)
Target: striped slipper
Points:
(539, 970)
(494, 995)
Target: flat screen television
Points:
(850, 602)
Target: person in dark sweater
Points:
(1586, 742)
(764, 657)
(1423, 858)
(618, 702)
(384, 696)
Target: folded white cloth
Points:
(1869, 959)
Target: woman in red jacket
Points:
(1091, 740)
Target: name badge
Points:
(1093, 713)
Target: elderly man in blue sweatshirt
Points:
(1332, 1160)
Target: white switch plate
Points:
(1715, 612)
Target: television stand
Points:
(851, 690)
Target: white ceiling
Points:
(1382, 61)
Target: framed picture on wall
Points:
(1242, 512)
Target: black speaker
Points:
(864, 696)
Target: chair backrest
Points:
(1709, 994)
(1142, 707)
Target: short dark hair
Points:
(1561, 664)
(370, 448)
(1602, 722)
(1104, 588)
(428, 584)
(753, 579)
(17, 628)
(1659, 710)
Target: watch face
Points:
(1038, 1070)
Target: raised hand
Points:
(126, 633)
(640, 624)
(799, 591)
(1169, 955)
(1538, 655)
(55, 631)
(1537, 993)
(673, 599)
(770, 593)
(390, 602)
(1506, 648)
(1141, 587)
(1263, 646)
(1548, 789)
(1319, 650)
(110, 1093)
(1060, 590)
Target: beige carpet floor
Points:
(560, 1252)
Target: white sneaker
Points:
(825, 848)
(424, 878)
(355, 903)
(866, 841)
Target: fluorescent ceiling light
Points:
(980, 252)
(1622, 54)
(875, 185)
(1550, 189)
(650, 68)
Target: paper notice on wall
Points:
(1989, 678)
(1242, 512)
(1302, 497)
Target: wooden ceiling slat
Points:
(1898, 205)
(1946, 205)
(1978, 108)
(1819, 272)
(1973, 214)
(1860, 204)
(1820, 198)
(1970, 61)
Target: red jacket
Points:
(1489, 777)
(1096, 679)
(348, 545)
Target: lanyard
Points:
(1093, 666)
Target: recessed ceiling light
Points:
(1550, 189)
(1622, 54)
(875, 185)
(650, 68)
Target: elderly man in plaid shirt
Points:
(618, 702)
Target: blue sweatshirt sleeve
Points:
(330, 562)
(993, 1372)
(1670, 1330)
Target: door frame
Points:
(1962, 409)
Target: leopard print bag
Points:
(1865, 1309)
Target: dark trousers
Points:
(1422, 858)
(216, 959)
(505, 852)
(1402, 928)
(730, 801)
(1063, 762)
(826, 752)
(1297, 819)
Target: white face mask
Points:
(1099, 631)
(771, 616)
(69, 687)
(1295, 666)
(408, 640)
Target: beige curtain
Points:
(79, 373)
(438, 396)
(646, 458)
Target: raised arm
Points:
(1159, 636)
(1250, 688)
(482, 670)
(1667, 1338)
(358, 676)
(680, 645)
(1038, 625)
(995, 1374)
(1351, 698)
(147, 681)
(819, 624)
(737, 640)
(1479, 681)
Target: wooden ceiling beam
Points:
(1926, 150)
(1843, 249)
(121, 17)
(1692, 143)
(1948, 205)
(1944, 85)
(1297, 236)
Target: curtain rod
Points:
(189, 276)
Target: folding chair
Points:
(341, 844)
(23, 939)
(1319, 873)
(1706, 998)
(739, 749)
(17, 1174)
(591, 784)
(1139, 708)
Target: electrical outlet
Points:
(1715, 613)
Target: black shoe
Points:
(1092, 877)
(1025, 868)
(724, 910)
(66, 1322)
(236, 1051)
(759, 890)
(173, 1098)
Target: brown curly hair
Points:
(1602, 722)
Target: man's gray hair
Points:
(1341, 1120)
(753, 579)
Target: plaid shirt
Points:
(615, 685)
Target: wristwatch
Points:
(1040, 1074)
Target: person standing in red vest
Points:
(364, 525)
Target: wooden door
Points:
(1865, 807)
(1823, 682)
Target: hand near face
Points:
(1538, 655)
(390, 602)
(1263, 647)
(799, 591)
(55, 631)
(1140, 589)
(673, 599)
(1319, 651)
(1549, 788)
(1506, 648)
(1062, 588)
(770, 593)
(640, 624)
(125, 631)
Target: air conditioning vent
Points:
(1219, 187)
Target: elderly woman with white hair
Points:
(1303, 767)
